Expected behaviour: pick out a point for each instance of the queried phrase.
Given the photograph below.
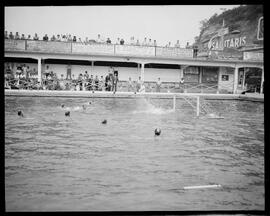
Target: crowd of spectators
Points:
(21, 76)
(70, 38)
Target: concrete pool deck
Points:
(88, 94)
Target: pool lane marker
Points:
(202, 186)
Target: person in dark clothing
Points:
(115, 81)
(46, 38)
(122, 41)
(107, 83)
(96, 83)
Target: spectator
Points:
(86, 75)
(35, 37)
(139, 84)
(187, 46)
(69, 39)
(62, 77)
(53, 38)
(138, 43)
(150, 42)
(79, 40)
(29, 37)
(17, 36)
(96, 83)
(158, 85)
(108, 82)
(155, 43)
(101, 83)
(58, 38)
(46, 38)
(23, 37)
(64, 38)
(99, 39)
(11, 36)
(6, 35)
(108, 41)
(68, 71)
(144, 43)
(177, 44)
(122, 41)
(132, 41)
(130, 85)
(86, 40)
(115, 81)
(74, 39)
(169, 44)
(118, 41)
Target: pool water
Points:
(58, 163)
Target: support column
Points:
(218, 76)
(92, 67)
(244, 79)
(235, 81)
(39, 70)
(262, 80)
(181, 72)
(142, 72)
(200, 75)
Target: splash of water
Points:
(149, 108)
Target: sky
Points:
(161, 23)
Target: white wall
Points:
(226, 85)
(150, 74)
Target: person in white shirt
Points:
(150, 42)
(144, 43)
(99, 39)
(177, 44)
(138, 43)
(155, 43)
(158, 85)
(118, 41)
(132, 41)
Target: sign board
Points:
(92, 48)
(174, 52)
(48, 46)
(134, 50)
(255, 56)
(14, 45)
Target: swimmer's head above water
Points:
(67, 113)
(157, 131)
(62, 105)
(20, 113)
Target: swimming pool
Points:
(56, 163)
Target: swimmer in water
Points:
(62, 105)
(67, 113)
(20, 113)
(104, 121)
(157, 131)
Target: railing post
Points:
(262, 80)
(174, 102)
(39, 70)
(198, 106)
(235, 81)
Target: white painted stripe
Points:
(202, 186)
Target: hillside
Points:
(243, 18)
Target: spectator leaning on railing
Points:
(11, 36)
(58, 38)
(108, 41)
(155, 43)
(177, 44)
(6, 35)
(118, 41)
(122, 41)
(74, 39)
(17, 36)
(35, 37)
(138, 42)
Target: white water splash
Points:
(149, 108)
